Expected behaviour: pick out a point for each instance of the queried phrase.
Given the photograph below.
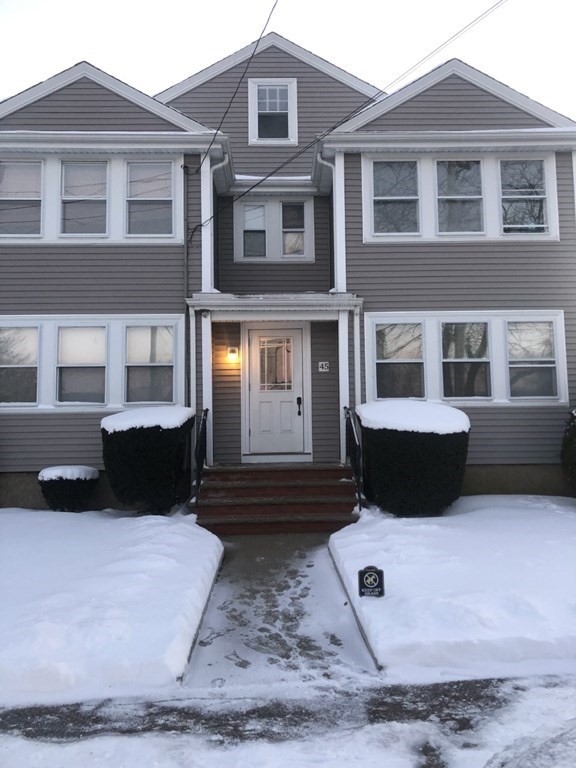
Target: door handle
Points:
(299, 404)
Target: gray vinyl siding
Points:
(454, 104)
(84, 106)
(274, 277)
(325, 395)
(30, 442)
(467, 276)
(227, 415)
(89, 278)
(322, 102)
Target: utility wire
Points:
(242, 76)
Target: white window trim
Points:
(253, 138)
(273, 223)
(127, 200)
(497, 339)
(115, 325)
(116, 201)
(36, 235)
(428, 207)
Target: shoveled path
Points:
(278, 657)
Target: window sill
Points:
(460, 238)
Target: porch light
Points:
(232, 354)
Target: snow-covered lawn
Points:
(101, 604)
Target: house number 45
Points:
(324, 367)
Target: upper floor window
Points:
(272, 111)
(275, 230)
(20, 198)
(87, 362)
(149, 199)
(477, 357)
(459, 199)
(116, 199)
(84, 194)
(523, 196)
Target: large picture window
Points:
(472, 357)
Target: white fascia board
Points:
(271, 39)
(466, 72)
(109, 142)
(274, 302)
(84, 69)
(274, 185)
(537, 139)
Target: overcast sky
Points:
(527, 44)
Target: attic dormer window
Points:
(272, 117)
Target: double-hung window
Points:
(149, 199)
(81, 364)
(476, 198)
(523, 196)
(459, 196)
(84, 198)
(272, 111)
(273, 230)
(472, 357)
(18, 364)
(87, 362)
(20, 198)
(396, 207)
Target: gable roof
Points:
(86, 70)
(269, 40)
(466, 72)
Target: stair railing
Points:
(354, 452)
(200, 454)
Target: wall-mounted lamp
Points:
(232, 354)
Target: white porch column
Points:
(207, 382)
(343, 377)
(207, 228)
(339, 212)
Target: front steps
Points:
(276, 498)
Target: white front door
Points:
(277, 411)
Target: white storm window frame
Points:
(493, 229)
(23, 199)
(147, 197)
(48, 327)
(253, 134)
(117, 207)
(498, 356)
(273, 222)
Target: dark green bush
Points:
(413, 474)
(66, 495)
(148, 467)
(568, 454)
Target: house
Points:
(274, 239)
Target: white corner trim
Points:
(206, 225)
(339, 224)
(207, 383)
(343, 378)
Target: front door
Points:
(276, 406)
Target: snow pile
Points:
(69, 472)
(99, 600)
(413, 416)
(487, 590)
(164, 416)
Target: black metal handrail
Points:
(354, 452)
(200, 454)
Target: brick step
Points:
(212, 489)
(274, 473)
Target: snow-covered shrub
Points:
(568, 455)
(145, 453)
(68, 488)
(414, 455)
